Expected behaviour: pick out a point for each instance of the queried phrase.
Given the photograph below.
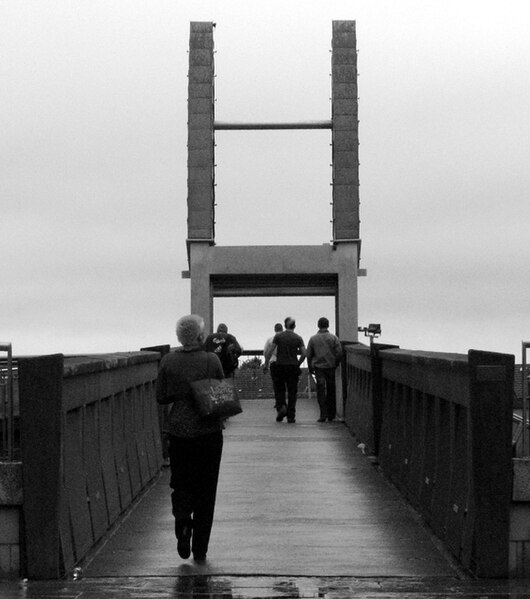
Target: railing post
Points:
(40, 384)
(491, 391)
(377, 390)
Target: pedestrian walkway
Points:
(293, 499)
(301, 512)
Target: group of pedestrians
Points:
(284, 354)
(194, 443)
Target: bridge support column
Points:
(201, 291)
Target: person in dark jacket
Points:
(290, 353)
(324, 352)
(227, 348)
(195, 444)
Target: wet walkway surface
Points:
(301, 512)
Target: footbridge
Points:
(415, 481)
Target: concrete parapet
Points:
(11, 496)
(441, 425)
(90, 443)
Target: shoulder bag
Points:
(215, 398)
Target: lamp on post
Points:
(372, 330)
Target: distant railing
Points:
(256, 384)
(9, 441)
(441, 428)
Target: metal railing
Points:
(7, 409)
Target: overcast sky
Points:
(93, 166)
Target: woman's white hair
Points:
(189, 329)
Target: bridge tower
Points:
(249, 271)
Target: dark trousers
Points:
(195, 466)
(288, 375)
(325, 379)
(277, 385)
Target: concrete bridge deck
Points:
(301, 512)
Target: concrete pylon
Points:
(238, 271)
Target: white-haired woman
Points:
(195, 444)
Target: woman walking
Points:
(195, 444)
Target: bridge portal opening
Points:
(252, 319)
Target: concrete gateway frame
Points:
(330, 269)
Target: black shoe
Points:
(199, 557)
(321, 420)
(282, 412)
(291, 420)
(183, 534)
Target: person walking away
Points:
(278, 328)
(226, 347)
(195, 444)
(324, 353)
(290, 353)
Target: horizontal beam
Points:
(274, 285)
(275, 292)
(226, 126)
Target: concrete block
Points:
(344, 56)
(343, 27)
(200, 158)
(345, 176)
(200, 219)
(345, 206)
(11, 488)
(200, 139)
(346, 159)
(201, 74)
(200, 90)
(344, 73)
(344, 230)
(200, 105)
(520, 521)
(519, 559)
(346, 218)
(201, 41)
(202, 175)
(203, 120)
(346, 122)
(344, 194)
(201, 26)
(521, 479)
(9, 561)
(200, 234)
(200, 195)
(10, 525)
(343, 40)
(341, 107)
(345, 143)
(201, 57)
(341, 91)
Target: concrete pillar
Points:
(347, 317)
(201, 292)
(345, 131)
(201, 132)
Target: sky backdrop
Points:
(93, 166)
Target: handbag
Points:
(216, 398)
